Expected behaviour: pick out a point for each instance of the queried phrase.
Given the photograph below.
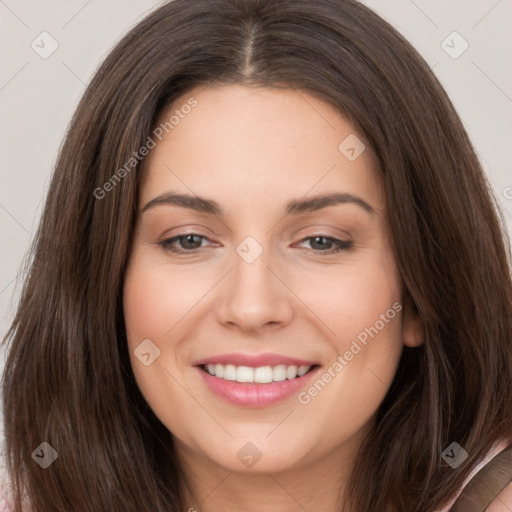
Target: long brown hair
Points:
(68, 379)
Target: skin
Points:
(252, 150)
(502, 502)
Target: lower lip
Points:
(255, 395)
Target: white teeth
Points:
(302, 370)
(229, 372)
(245, 374)
(291, 372)
(263, 375)
(219, 370)
(260, 375)
(279, 373)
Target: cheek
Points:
(361, 306)
(151, 309)
(153, 304)
(155, 299)
(353, 297)
(348, 299)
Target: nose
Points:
(254, 296)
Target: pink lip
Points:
(254, 361)
(255, 395)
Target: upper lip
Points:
(254, 361)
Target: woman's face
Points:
(252, 275)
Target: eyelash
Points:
(341, 245)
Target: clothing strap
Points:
(479, 493)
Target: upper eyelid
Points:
(318, 230)
(302, 239)
(189, 233)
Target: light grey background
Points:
(38, 96)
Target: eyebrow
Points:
(293, 207)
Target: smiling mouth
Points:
(259, 375)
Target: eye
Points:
(189, 243)
(327, 244)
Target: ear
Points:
(412, 329)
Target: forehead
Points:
(276, 143)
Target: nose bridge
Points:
(251, 272)
(253, 296)
(252, 280)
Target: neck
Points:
(317, 485)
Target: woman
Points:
(269, 263)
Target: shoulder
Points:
(502, 502)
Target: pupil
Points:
(189, 239)
(317, 238)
